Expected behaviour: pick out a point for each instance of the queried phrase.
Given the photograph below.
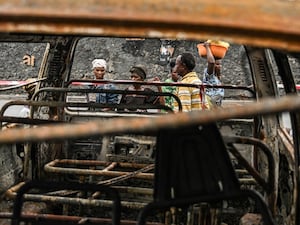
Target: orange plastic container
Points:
(217, 50)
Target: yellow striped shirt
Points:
(189, 97)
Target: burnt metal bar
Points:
(61, 196)
(21, 85)
(21, 120)
(126, 125)
(239, 21)
(81, 82)
(93, 202)
(99, 163)
(138, 190)
(41, 217)
(19, 200)
(115, 91)
(268, 185)
(79, 201)
(54, 167)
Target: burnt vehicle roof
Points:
(272, 24)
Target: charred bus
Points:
(69, 162)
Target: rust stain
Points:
(241, 21)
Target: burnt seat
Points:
(193, 166)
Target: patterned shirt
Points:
(189, 97)
(212, 79)
(169, 100)
(106, 97)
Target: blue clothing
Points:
(213, 93)
(106, 97)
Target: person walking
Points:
(190, 97)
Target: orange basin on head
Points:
(218, 51)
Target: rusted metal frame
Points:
(35, 121)
(117, 176)
(286, 74)
(268, 185)
(263, 82)
(288, 144)
(260, 62)
(33, 217)
(267, 87)
(67, 200)
(38, 103)
(94, 202)
(120, 106)
(11, 193)
(53, 167)
(134, 190)
(288, 152)
(96, 127)
(155, 19)
(21, 85)
(31, 121)
(151, 83)
(105, 164)
(23, 120)
(156, 83)
(110, 115)
(123, 178)
(50, 104)
(247, 181)
(128, 82)
(116, 206)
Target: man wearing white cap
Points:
(99, 69)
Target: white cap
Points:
(99, 63)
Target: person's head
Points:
(185, 63)
(174, 75)
(138, 73)
(99, 68)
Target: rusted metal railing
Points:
(127, 125)
(63, 166)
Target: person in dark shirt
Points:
(138, 73)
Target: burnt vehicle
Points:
(72, 154)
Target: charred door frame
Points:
(265, 86)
